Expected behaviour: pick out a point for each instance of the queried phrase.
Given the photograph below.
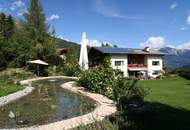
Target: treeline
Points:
(183, 71)
(26, 39)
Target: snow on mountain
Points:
(176, 57)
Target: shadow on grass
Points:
(163, 117)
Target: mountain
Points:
(65, 44)
(176, 58)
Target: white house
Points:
(132, 62)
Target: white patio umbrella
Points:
(83, 60)
(38, 62)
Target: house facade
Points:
(132, 62)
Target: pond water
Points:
(46, 104)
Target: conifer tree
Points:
(6, 26)
(9, 27)
(36, 25)
(36, 21)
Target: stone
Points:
(22, 122)
(11, 115)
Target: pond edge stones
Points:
(105, 107)
(15, 96)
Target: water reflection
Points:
(47, 103)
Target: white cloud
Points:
(107, 43)
(173, 6)
(17, 4)
(53, 16)
(61, 37)
(188, 19)
(109, 10)
(171, 46)
(154, 42)
(97, 43)
(21, 12)
(184, 46)
(94, 43)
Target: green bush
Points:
(110, 83)
(102, 125)
(100, 80)
(51, 70)
(70, 69)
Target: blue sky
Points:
(127, 23)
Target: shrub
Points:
(110, 83)
(52, 70)
(70, 69)
(100, 80)
(102, 125)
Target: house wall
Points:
(148, 60)
(152, 68)
(120, 57)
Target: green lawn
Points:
(6, 89)
(170, 99)
(9, 81)
(173, 91)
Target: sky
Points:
(126, 23)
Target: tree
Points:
(26, 39)
(115, 46)
(9, 27)
(6, 26)
(35, 23)
(71, 56)
(6, 33)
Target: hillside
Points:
(176, 58)
(65, 44)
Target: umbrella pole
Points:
(38, 73)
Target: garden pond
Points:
(47, 103)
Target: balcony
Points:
(137, 65)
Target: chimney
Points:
(146, 49)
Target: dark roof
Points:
(115, 50)
(62, 50)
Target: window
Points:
(155, 63)
(119, 63)
(155, 73)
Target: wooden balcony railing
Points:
(137, 65)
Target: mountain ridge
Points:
(175, 58)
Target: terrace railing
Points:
(137, 65)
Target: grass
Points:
(6, 89)
(173, 91)
(9, 81)
(170, 99)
